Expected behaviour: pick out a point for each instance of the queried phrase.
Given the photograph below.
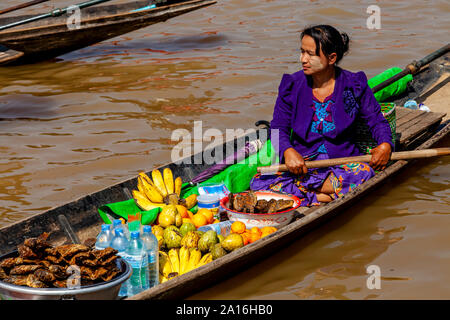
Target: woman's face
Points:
(311, 62)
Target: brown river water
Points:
(98, 116)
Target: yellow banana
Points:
(140, 186)
(165, 266)
(159, 182)
(205, 259)
(168, 180)
(146, 177)
(184, 259)
(191, 201)
(194, 259)
(139, 196)
(175, 260)
(162, 279)
(151, 192)
(177, 187)
(143, 202)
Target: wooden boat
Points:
(416, 130)
(51, 37)
(8, 55)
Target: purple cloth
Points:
(352, 98)
(344, 178)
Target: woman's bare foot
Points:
(322, 197)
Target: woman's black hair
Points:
(328, 39)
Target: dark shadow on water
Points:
(25, 106)
(157, 45)
(122, 45)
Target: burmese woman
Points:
(314, 118)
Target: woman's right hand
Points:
(295, 162)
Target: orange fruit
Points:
(238, 227)
(246, 237)
(199, 220)
(190, 214)
(268, 229)
(216, 221)
(183, 211)
(207, 213)
(256, 230)
(254, 236)
(265, 231)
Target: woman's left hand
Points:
(380, 156)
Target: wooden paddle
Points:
(402, 155)
(413, 67)
(54, 13)
(21, 6)
(9, 55)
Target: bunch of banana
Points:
(180, 261)
(160, 190)
(157, 191)
(191, 259)
(147, 197)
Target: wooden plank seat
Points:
(412, 124)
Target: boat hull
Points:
(417, 130)
(47, 39)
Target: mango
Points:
(167, 216)
(232, 242)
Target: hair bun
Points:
(345, 41)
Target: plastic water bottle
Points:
(136, 256)
(152, 247)
(222, 228)
(120, 243)
(411, 104)
(117, 223)
(104, 237)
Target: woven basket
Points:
(364, 140)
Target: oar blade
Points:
(8, 55)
